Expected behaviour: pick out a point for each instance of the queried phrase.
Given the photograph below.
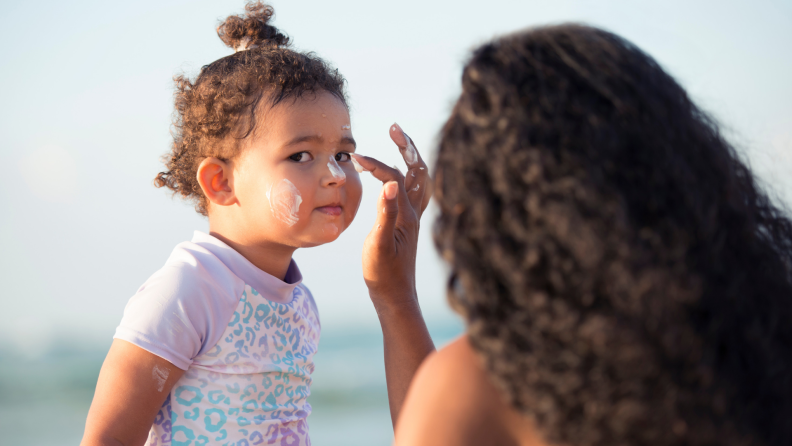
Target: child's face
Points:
(295, 182)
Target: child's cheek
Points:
(284, 200)
(354, 196)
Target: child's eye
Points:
(342, 156)
(301, 157)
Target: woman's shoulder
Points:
(452, 401)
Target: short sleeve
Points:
(183, 309)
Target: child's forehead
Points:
(324, 115)
(320, 119)
(321, 106)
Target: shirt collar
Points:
(267, 285)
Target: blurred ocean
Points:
(44, 400)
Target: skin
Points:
(297, 141)
(436, 398)
(452, 402)
(389, 268)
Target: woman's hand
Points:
(390, 248)
(389, 265)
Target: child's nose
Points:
(337, 176)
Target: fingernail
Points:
(358, 167)
(391, 190)
(398, 135)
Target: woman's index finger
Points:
(378, 169)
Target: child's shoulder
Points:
(184, 306)
(192, 277)
(191, 269)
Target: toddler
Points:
(217, 346)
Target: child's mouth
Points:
(333, 209)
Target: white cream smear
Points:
(345, 127)
(358, 167)
(284, 199)
(160, 375)
(331, 228)
(417, 186)
(335, 169)
(410, 154)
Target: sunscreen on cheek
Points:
(331, 229)
(284, 200)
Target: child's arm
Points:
(132, 386)
(389, 266)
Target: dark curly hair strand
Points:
(621, 274)
(218, 110)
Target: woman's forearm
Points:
(407, 343)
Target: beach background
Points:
(87, 100)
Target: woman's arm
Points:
(132, 386)
(389, 266)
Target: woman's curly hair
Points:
(621, 274)
(217, 111)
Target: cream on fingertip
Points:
(410, 154)
(358, 167)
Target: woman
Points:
(622, 277)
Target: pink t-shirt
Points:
(245, 338)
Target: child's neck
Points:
(272, 258)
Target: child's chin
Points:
(320, 238)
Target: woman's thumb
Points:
(387, 214)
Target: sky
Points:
(87, 98)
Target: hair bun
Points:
(251, 30)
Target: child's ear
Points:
(216, 179)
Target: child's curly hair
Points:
(218, 110)
(621, 273)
